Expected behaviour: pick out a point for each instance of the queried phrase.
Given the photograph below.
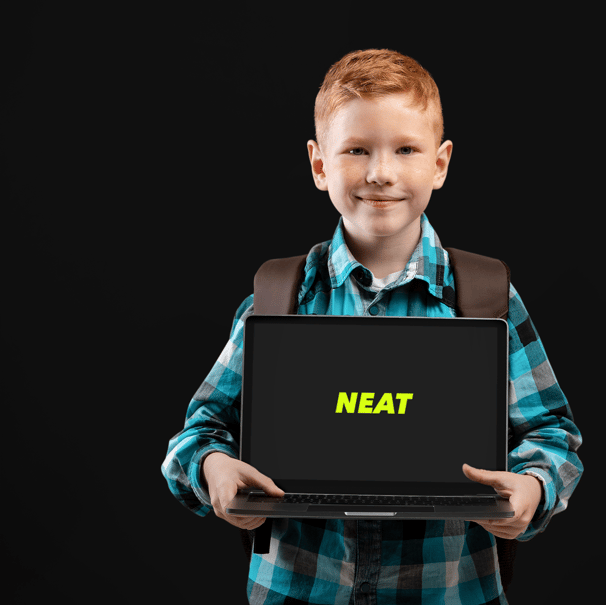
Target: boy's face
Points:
(379, 164)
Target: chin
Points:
(387, 230)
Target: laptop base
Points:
(261, 505)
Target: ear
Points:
(317, 165)
(442, 161)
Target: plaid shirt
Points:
(327, 561)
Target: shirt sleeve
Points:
(543, 436)
(212, 422)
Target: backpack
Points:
(482, 290)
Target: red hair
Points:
(373, 73)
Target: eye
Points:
(406, 150)
(356, 151)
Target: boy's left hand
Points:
(524, 493)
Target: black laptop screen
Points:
(396, 402)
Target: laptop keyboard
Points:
(377, 500)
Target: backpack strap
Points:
(482, 290)
(277, 284)
(481, 284)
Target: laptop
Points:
(373, 417)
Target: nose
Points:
(381, 170)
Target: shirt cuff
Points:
(546, 505)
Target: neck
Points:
(383, 254)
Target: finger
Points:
(249, 523)
(506, 521)
(261, 481)
(501, 530)
(256, 524)
(479, 475)
(513, 521)
(495, 479)
(223, 496)
(506, 535)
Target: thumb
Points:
(492, 478)
(263, 482)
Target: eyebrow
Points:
(353, 141)
(409, 138)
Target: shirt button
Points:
(373, 310)
(361, 276)
(365, 587)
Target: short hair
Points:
(374, 73)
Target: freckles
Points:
(423, 171)
(346, 176)
(348, 171)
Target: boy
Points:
(379, 154)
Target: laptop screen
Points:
(331, 403)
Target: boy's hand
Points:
(524, 493)
(225, 476)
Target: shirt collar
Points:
(429, 261)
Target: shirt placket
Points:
(368, 563)
(377, 305)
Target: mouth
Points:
(380, 201)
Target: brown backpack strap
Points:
(481, 284)
(482, 290)
(277, 284)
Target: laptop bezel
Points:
(465, 487)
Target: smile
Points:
(384, 203)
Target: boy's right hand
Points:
(225, 476)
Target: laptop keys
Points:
(377, 500)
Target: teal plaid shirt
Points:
(326, 561)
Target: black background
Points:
(155, 159)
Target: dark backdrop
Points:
(155, 160)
